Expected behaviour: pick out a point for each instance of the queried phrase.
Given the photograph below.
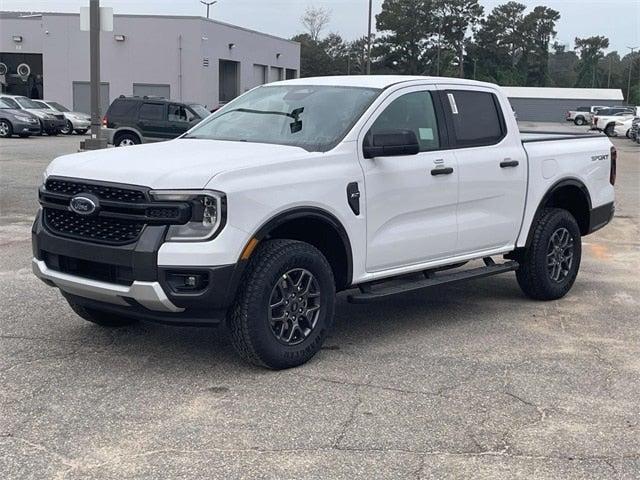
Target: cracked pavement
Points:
(468, 381)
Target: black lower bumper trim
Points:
(188, 318)
(600, 216)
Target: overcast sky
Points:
(619, 20)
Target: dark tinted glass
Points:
(583, 109)
(413, 111)
(478, 120)
(151, 111)
(122, 108)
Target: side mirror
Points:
(390, 143)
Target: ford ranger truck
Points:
(296, 190)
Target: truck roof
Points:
(376, 81)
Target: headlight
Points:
(208, 214)
(23, 119)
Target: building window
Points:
(291, 74)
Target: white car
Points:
(75, 121)
(257, 216)
(622, 127)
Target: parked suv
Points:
(134, 120)
(50, 123)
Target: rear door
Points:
(410, 199)
(492, 169)
(152, 121)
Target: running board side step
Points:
(369, 294)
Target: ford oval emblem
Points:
(83, 205)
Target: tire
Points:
(82, 131)
(628, 134)
(273, 274)
(52, 133)
(98, 317)
(580, 121)
(126, 139)
(536, 273)
(609, 130)
(68, 128)
(6, 129)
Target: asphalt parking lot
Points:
(468, 381)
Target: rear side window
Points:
(151, 111)
(476, 117)
(122, 108)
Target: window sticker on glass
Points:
(426, 133)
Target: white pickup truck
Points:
(299, 189)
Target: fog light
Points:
(187, 282)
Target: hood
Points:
(178, 164)
(14, 111)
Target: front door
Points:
(411, 199)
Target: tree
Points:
(455, 19)
(315, 20)
(499, 44)
(591, 50)
(562, 66)
(538, 27)
(406, 29)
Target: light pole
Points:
(208, 4)
(96, 141)
(630, 70)
(369, 38)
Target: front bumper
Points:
(54, 124)
(127, 280)
(26, 128)
(79, 124)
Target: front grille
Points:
(117, 274)
(105, 230)
(103, 192)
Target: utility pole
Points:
(369, 38)
(208, 4)
(630, 70)
(475, 67)
(96, 141)
(609, 76)
(439, 47)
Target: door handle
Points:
(442, 171)
(509, 163)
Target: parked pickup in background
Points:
(299, 189)
(583, 115)
(605, 120)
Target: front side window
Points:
(477, 117)
(42, 105)
(151, 111)
(412, 111)
(313, 117)
(12, 103)
(177, 113)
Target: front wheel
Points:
(549, 266)
(285, 305)
(98, 317)
(67, 129)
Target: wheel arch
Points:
(315, 226)
(124, 130)
(570, 194)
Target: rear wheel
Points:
(126, 140)
(580, 121)
(284, 308)
(610, 130)
(67, 129)
(6, 129)
(98, 317)
(549, 266)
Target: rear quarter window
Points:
(122, 108)
(476, 118)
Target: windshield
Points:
(42, 105)
(25, 102)
(313, 117)
(59, 107)
(200, 110)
